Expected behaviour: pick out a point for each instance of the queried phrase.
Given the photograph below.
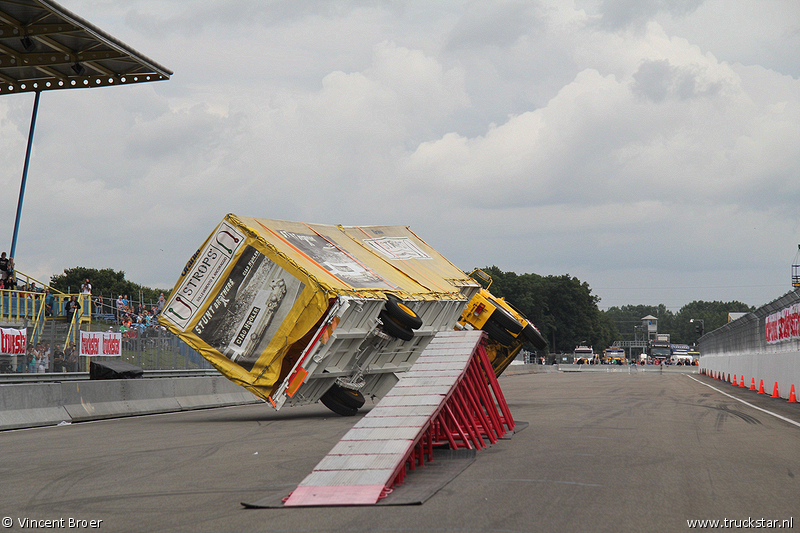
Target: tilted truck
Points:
(298, 313)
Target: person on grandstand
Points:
(72, 307)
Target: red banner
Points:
(98, 343)
(13, 341)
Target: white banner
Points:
(783, 325)
(13, 341)
(100, 343)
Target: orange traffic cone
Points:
(775, 391)
(752, 384)
(741, 381)
(761, 387)
(734, 380)
(792, 397)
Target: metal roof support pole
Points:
(25, 173)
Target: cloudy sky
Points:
(648, 147)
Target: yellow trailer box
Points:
(296, 312)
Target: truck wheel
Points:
(394, 328)
(498, 333)
(336, 406)
(401, 312)
(533, 336)
(347, 397)
(506, 320)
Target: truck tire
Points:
(498, 333)
(506, 320)
(401, 312)
(533, 336)
(336, 406)
(347, 397)
(394, 328)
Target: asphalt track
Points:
(603, 452)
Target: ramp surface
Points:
(435, 402)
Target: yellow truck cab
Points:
(507, 328)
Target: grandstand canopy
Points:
(44, 46)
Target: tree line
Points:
(106, 282)
(565, 311)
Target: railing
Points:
(18, 305)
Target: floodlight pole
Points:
(25, 174)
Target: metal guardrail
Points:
(53, 377)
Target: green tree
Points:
(105, 282)
(713, 314)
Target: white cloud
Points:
(629, 141)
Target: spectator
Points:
(48, 303)
(6, 266)
(86, 288)
(71, 357)
(120, 307)
(72, 308)
(32, 359)
(43, 363)
(59, 361)
(161, 302)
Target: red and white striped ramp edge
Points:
(449, 397)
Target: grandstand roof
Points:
(44, 46)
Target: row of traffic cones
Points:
(721, 376)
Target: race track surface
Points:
(603, 452)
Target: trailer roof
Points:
(44, 46)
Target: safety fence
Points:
(761, 346)
(151, 349)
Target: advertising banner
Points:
(783, 325)
(13, 341)
(94, 343)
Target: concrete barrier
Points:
(94, 400)
(28, 405)
(218, 391)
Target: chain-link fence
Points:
(748, 333)
(155, 349)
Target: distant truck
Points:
(614, 355)
(298, 313)
(583, 355)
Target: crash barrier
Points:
(28, 405)
(763, 346)
(449, 397)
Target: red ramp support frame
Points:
(450, 397)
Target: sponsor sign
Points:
(201, 274)
(398, 248)
(336, 260)
(783, 325)
(94, 343)
(13, 341)
(248, 308)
